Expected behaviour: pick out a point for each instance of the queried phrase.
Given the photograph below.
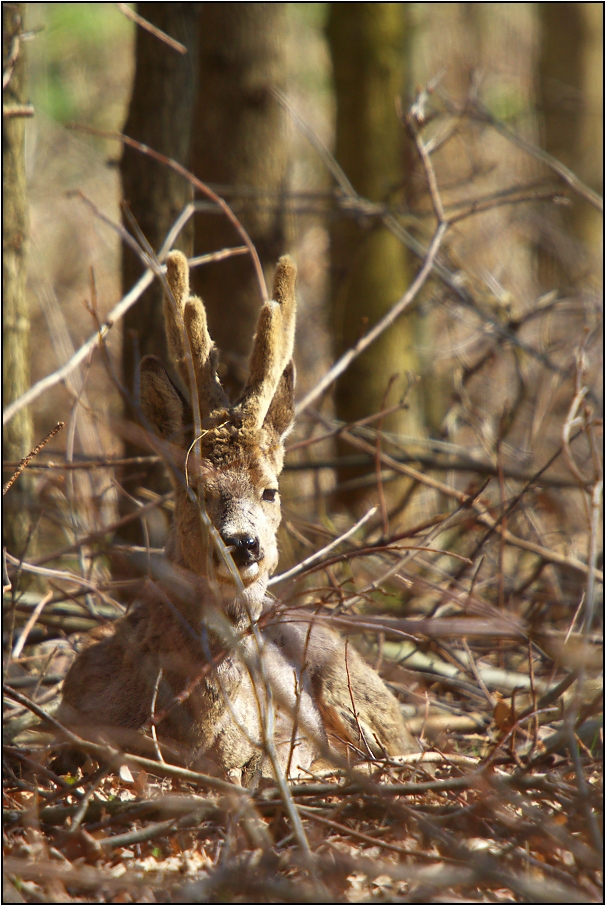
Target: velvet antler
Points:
(186, 320)
(273, 346)
(268, 393)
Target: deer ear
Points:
(161, 402)
(281, 413)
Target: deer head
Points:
(225, 458)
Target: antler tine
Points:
(177, 277)
(211, 395)
(273, 345)
(192, 315)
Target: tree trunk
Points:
(18, 434)
(370, 269)
(160, 115)
(571, 80)
(240, 146)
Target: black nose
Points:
(244, 549)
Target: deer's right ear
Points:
(161, 402)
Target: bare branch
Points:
(305, 564)
(11, 110)
(483, 115)
(24, 462)
(197, 184)
(97, 338)
(152, 29)
(386, 321)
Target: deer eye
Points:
(270, 494)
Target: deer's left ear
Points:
(281, 413)
(161, 403)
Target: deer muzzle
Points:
(246, 553)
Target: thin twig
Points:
(20, 643)
(80, 814)
(329, 160)
(152, 29)
(52, 379)
(145, 254)
(432, 182)
(310, 561)
(24, 462)
(152, 721)
(112, 318)
(386, 321)
(12, 110)
(11, 59)
(52, 573)
(483, 515)
(107, 463)
(479, 112)
(100, 533)
(357, 204)
(197, 184)
(372, 841)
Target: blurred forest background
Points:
(453, 147)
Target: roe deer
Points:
(197, 656)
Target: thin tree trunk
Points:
(369, 266)
(240, 145)
(18, 434)
(571, 81)
(160, 115)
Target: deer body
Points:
(229, 688)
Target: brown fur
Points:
(193, 639)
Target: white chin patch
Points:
(250, 572)
(247, 573)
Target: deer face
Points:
(236, 486)
(227, 468)
(242, 501)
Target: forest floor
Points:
(503, 805)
